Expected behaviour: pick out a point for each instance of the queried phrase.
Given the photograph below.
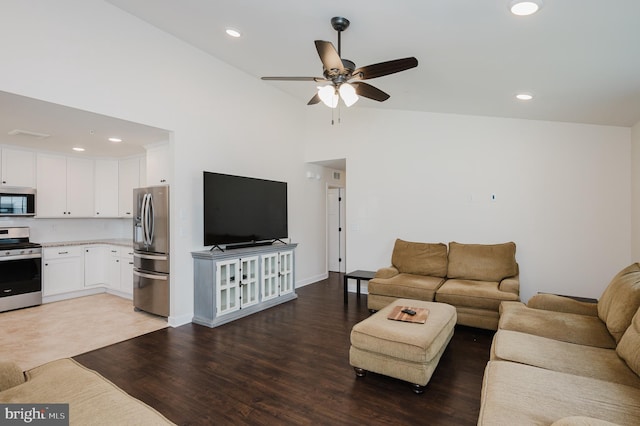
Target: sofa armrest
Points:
(511, 285)
(552, 302)
(387, 272)
(10, 375)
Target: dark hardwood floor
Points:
(289, 365)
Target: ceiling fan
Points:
(344, 78)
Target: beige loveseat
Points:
(92, 399)
(559, 361)
(475, 278)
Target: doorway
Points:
(336, 238)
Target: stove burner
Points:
(19, 245)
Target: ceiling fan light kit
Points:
(345, 80)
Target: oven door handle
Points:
(20, 257)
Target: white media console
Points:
(235, 283)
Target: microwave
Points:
(17, 201)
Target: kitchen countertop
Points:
(125, 242)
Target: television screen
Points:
(240, 209)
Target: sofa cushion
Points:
(518, 394)
(474, 294)
(620, 300)
(629, 346)
(573, 328)
(92, 399)
(581, 360)
(10, 375)
(420, 258)
(482, 262)
(582, 421)
(407, 286)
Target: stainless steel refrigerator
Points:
(151, 250)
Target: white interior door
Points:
(336, 229)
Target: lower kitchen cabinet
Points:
(63, 270)
(126, 270)
(237, 282)
(95, 267)
(73, 271)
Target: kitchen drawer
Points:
(61, 251)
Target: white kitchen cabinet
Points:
(95, 265)
(106, 188)
(113, 268)
(120, 269)
(126, 270)
(237, 282)
(65, 186)
(129, 178)
(159, 165)
(80, 189)
(63, 270)
(18, 167)
(51, 185)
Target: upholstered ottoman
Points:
(403, 350)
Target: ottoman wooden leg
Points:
(417, 389)
(360, 372)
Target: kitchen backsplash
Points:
(49, 230)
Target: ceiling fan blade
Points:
(329, 56)
(368, 91)
(318, 79)
(384, 68)
(314, 100)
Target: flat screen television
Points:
(243, 210)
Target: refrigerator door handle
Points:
(151, 215)
(150, 276)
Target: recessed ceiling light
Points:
(77, 148)
(525, 8)
(524, 96)
(115, 140)
(233, 33)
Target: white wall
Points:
(635, 192)
(562, 190)
(90, 55)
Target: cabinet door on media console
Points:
(286, 272)
(249, 281)
(270, 276)
(227, 285)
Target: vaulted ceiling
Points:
(579, 58)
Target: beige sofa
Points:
(92, 399)
(475, 278)
(559, 361)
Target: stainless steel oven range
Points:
(20, 269)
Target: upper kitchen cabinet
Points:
(65, 186)
(18, 167)
(129, 178)
(159, 167)
(106, 188)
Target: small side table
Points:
(356, 275)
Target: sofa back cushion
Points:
(420, 258)
(482, 262)
(629, 346)
(620, 300)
